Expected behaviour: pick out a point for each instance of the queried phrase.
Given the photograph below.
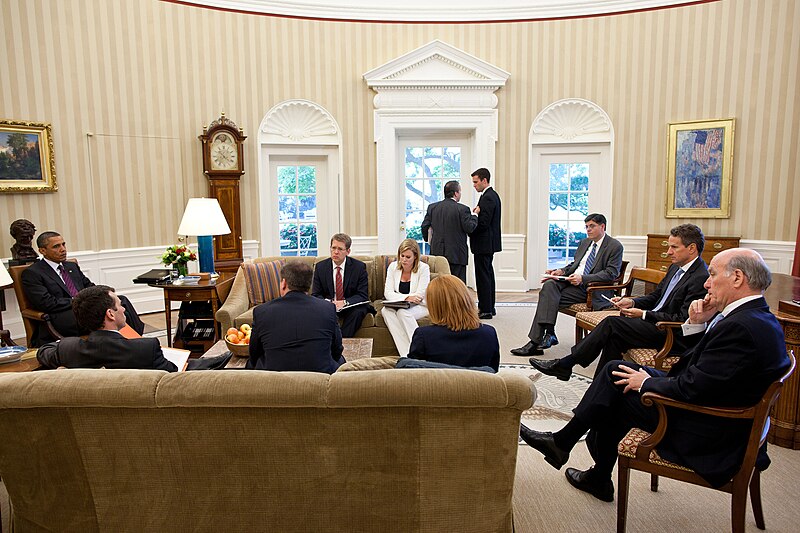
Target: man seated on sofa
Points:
(296, 331)
(343, 281)
(99, 310)
(52, 282)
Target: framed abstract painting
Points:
(699, 169)
(26, 157)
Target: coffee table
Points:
(354, 348)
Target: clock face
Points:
(224, 153)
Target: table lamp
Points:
(203, 218)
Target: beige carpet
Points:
(545, 502)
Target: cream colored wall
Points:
(149, 75)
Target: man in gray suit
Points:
(601, 263)
(449, 222)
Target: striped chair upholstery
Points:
(263, 281)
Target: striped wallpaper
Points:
(128, 99)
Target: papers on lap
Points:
(349, 306)
(550, 276)
(400, 304)
(176, 357)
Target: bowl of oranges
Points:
(238, 340)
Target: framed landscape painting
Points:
(26, 157)
(699, 169)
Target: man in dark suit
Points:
(343, 281)
(485, 241)
(446, 226)
(296, 331)
(598, 258)
(52, 282)
(99, 310)
(740, 354)
(636, 327)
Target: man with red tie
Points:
(343, 281)
(52, 282)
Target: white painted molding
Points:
(299, 122)
(435, 89)
(116, 268)
(440, 11)
(509, 272)
(572, 120)
(779, 255)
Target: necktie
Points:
(339, 285)
(668, 290)
(713, 323)
(590, 260)
(71, 289)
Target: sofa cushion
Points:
(369, 363)
(263, 281)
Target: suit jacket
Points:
(676, 308)
(607, 262)
(449, 222)
(419, 282)
(47, 293)
(355, 282)
(468, 348)
(106, 349)
(733, 364)
(296, 332)
(487, 238)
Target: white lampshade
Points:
(5, 279)
(203, 216)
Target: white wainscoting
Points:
(779, 255)
(115, 268)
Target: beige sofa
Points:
(144, 450)
(238, 309)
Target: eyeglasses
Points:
(592, 226)
(337, 249)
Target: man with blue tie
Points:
(636, 325)
(598, 258)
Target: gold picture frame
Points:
(700, 169)
(27, 163)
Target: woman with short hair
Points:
(457, 336)
(407, 280)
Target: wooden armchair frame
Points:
(30, 316)
(747, 476)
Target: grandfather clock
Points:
(223, 165)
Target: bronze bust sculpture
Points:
(22, 252)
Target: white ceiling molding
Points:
(299, 122)
(440, 11)
(571, 120)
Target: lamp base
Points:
(205, 253)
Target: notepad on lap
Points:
(177, 357)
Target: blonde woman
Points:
(457, 336)
(407, 279)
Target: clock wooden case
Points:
(223, 165)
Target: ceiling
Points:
(448, 11)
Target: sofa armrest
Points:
(235, 304)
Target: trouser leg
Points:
(552, 296)
(484, 282)
(352, 319)
(459, 271)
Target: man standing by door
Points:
(446, 226)
(485, 241)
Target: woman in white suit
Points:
(407, 279)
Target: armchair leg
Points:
(623, 477)
(738, 508)
(654, 482)
(755, 499)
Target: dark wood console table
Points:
(785, 428)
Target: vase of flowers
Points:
(178, 256)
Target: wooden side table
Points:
(213, 291)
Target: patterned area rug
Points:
(555, 399)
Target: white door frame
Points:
(569, 126)
(297, 128)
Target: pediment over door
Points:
(436, 75)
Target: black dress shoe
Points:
(527, 350)
(551, 368)
(582, 480)
(543, 442)
(547, 341)
(485, 316)
(494, 311)
(553, 339)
